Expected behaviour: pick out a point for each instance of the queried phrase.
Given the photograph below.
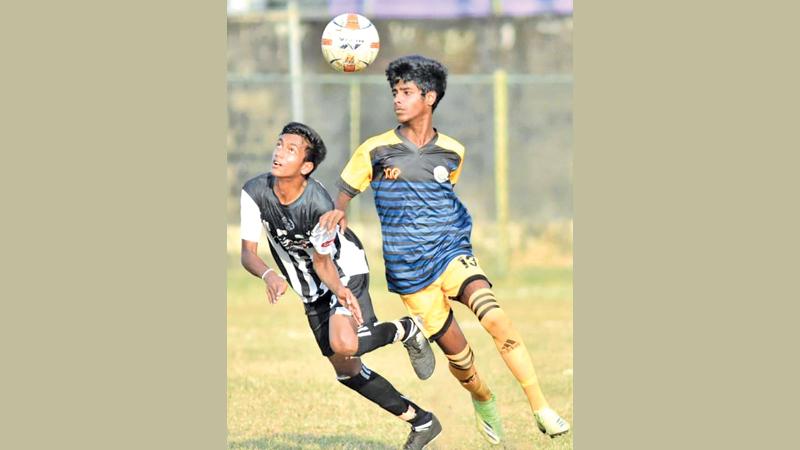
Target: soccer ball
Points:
(350, 43)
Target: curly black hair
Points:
(316, 150)
(428, 74)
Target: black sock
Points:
(409, 327)
(422, 418)
(376, 389)
(374, 335)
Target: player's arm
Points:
(355, 178)
(326, 270)
(250, 231)
(337, 216)
(322, 259)
(275, 284)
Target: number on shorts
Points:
(468, 261)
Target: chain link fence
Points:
(536, 52)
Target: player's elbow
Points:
(248, 261)
(320, 261)
(316, 259)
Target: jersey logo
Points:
(287, 223)
(391, 173)
(509, 345)
(440, 174)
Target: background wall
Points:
(535, 51)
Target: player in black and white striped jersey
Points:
(329, 271)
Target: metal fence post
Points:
(295, 60)
(501, 166)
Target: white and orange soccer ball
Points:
(350, 43)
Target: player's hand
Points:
(276, 287)
(334, 217)
(349, 301)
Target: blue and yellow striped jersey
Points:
(424, 224)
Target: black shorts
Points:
(319, 312)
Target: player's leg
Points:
(461, 359)
(432, 310)
(477, 294)
(479, 297)
(462, 365)
(348, 340)
(351, 372)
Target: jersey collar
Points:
(412, 145)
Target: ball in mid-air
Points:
(350, 43)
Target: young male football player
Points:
(329, 272)
(426, 238)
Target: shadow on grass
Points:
(308, 442)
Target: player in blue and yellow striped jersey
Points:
(412, 170)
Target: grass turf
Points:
(283, 394)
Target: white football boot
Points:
(550, 423)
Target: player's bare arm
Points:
(326, 270)
(275, 284)
(337, 216)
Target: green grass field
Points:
(283, 394)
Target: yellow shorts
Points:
(431, 305)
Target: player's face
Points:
(287, 159)
(409, 103)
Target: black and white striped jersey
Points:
(293, 234)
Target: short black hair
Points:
(428, 74)
(315, 153)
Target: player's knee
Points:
(483, 303)
(472, 287)
(496, 322)
(342, 337)
(344, 345)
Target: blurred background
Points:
(509, 101)
(276, 74)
